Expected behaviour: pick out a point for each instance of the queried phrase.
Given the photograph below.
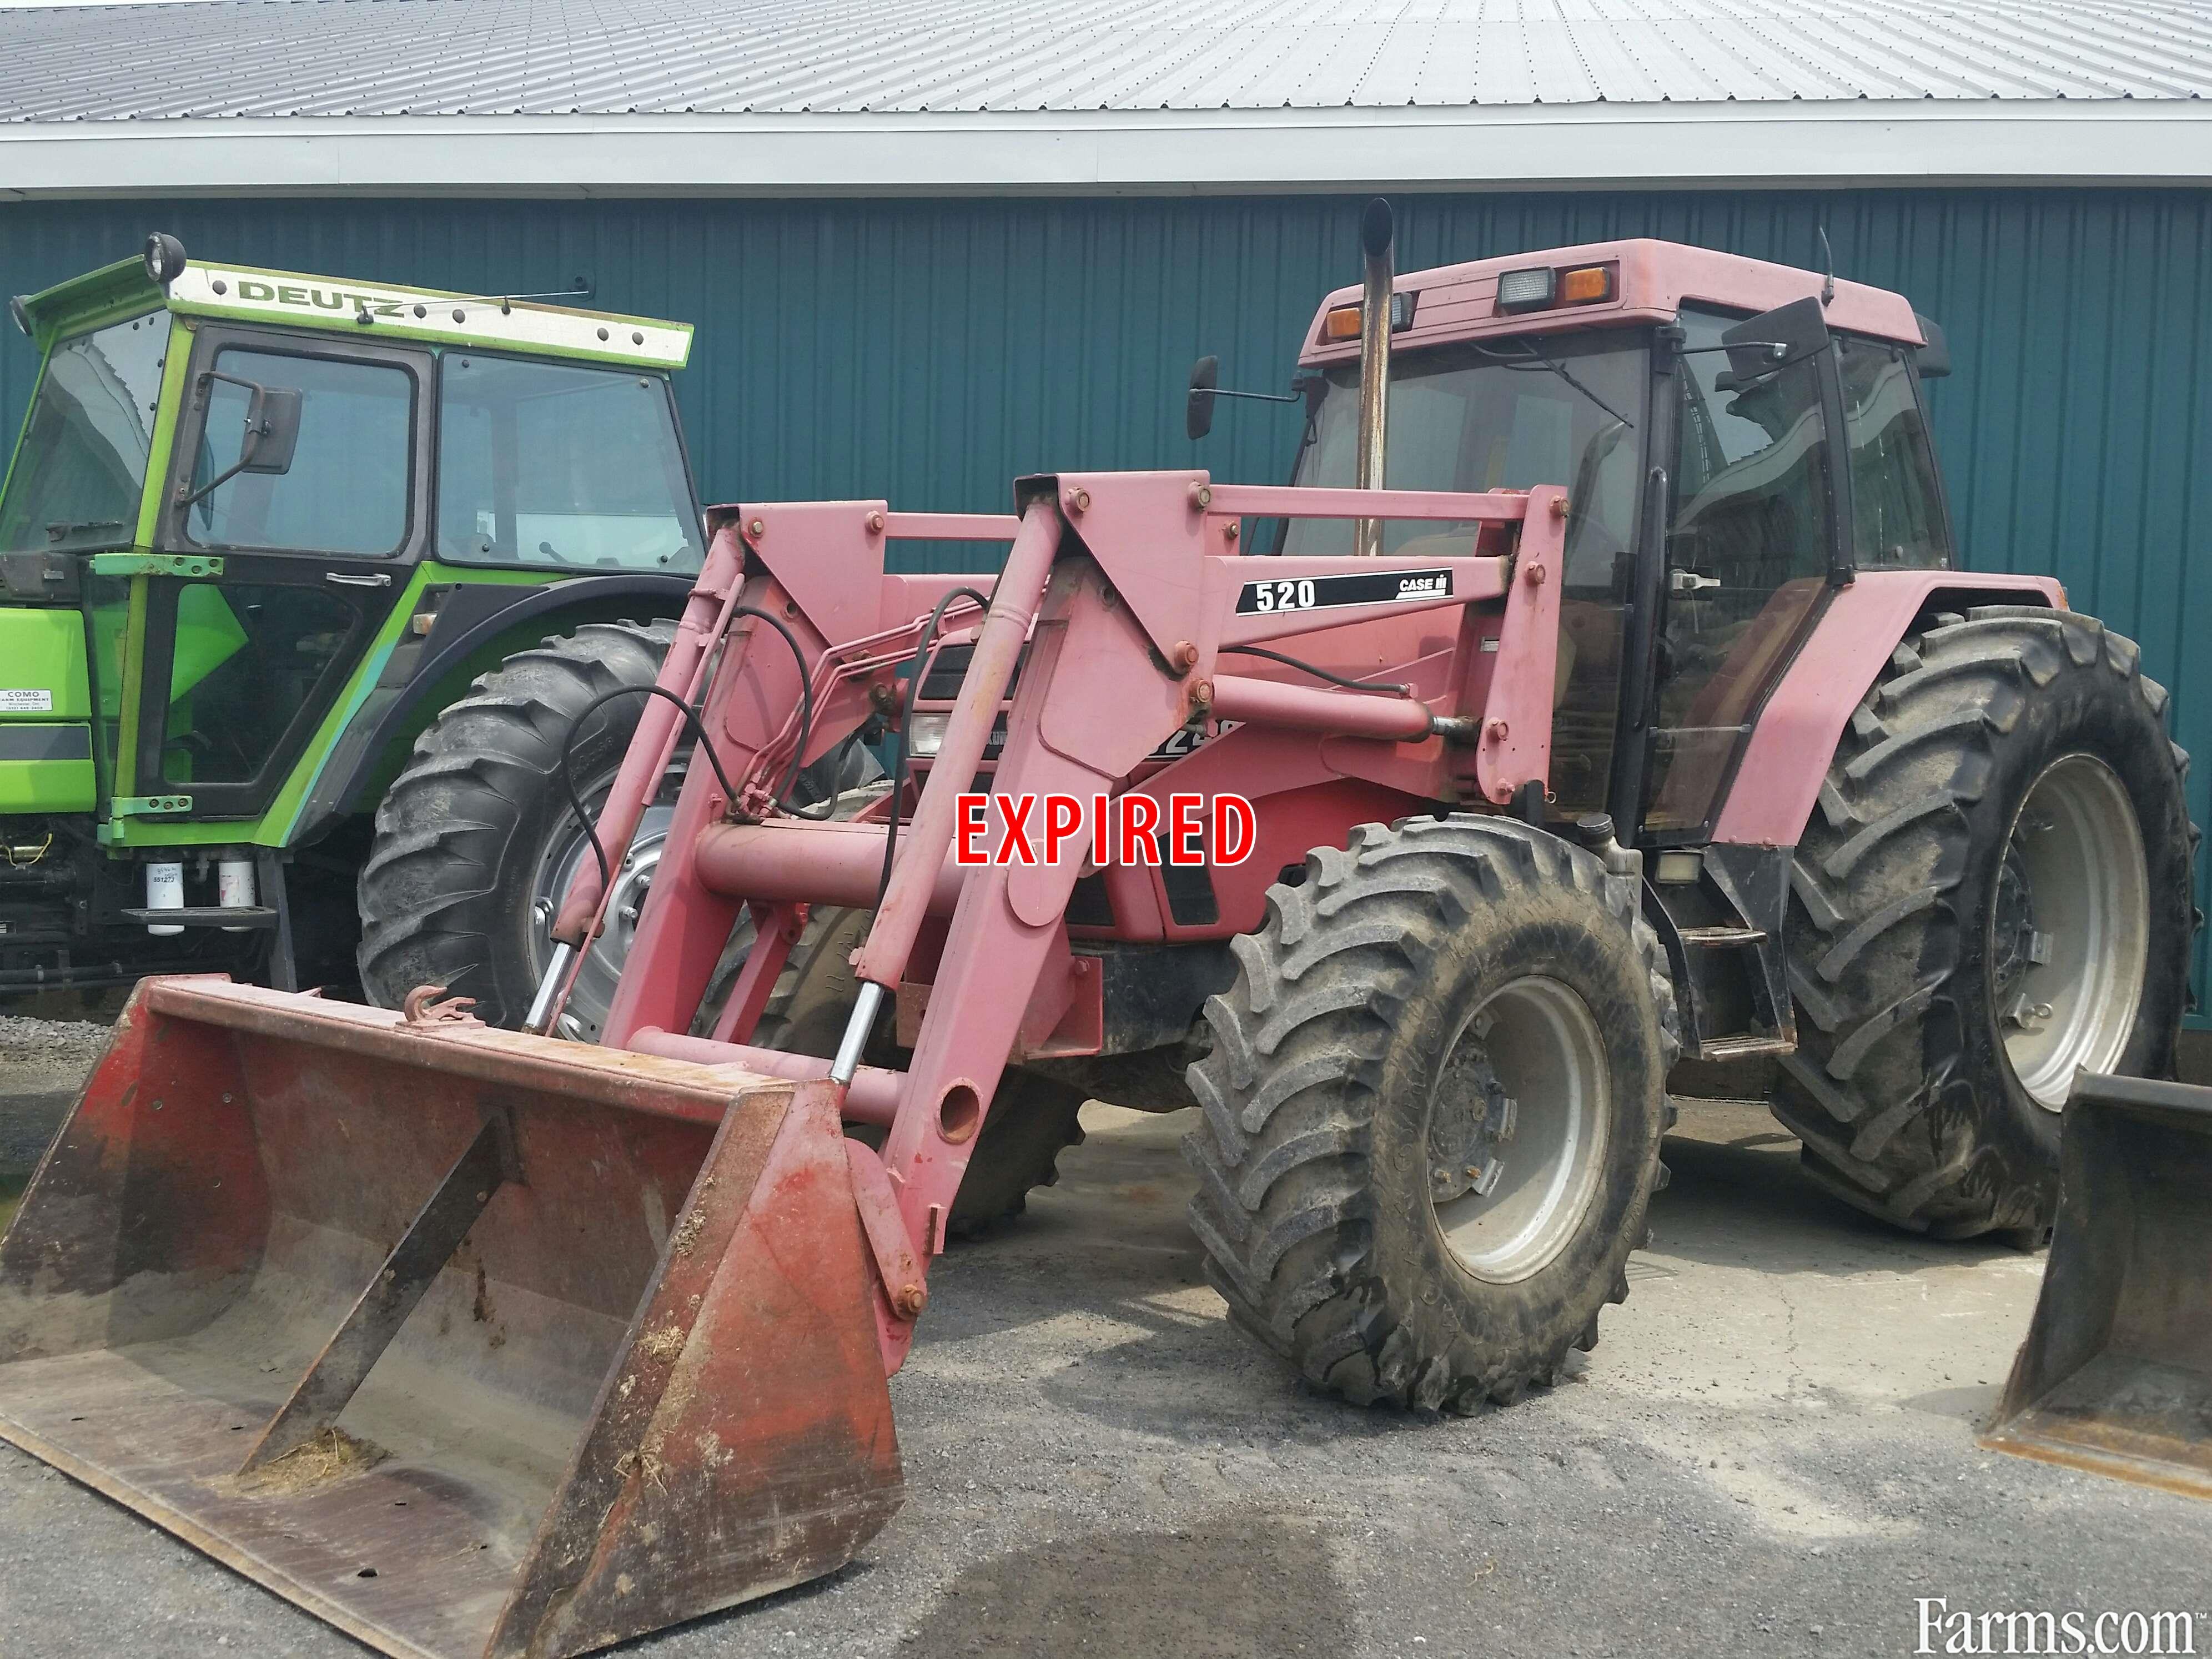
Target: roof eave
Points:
(1777, 143)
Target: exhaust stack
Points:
(1375, 235)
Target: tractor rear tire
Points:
(1358, 1079)
(467, 830)
(1912, 929)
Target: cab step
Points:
(1724, 939)
(1740, 1048)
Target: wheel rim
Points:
(2069, 928)
(1517, 1129)
(586, 1014)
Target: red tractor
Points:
(1600, 692)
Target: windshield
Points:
(550, 463)
(1470, 417)
(1510, 415)
(83, 462)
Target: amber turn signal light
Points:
(1585, 285)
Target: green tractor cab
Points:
(260, 531)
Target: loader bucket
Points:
(2116, 1374)
(468, 1342)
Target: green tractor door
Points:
(294, 511)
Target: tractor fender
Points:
(1770, 799)
(470, 617)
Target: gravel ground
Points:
(1773, 1448)
(42, 1061)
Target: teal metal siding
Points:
(928, 351)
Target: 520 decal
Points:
(1280, 593)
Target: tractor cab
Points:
(1691, 403)
(259, 527)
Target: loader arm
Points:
(1125, 603)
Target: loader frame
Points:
(1122, 596)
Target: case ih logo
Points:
(1131, 829)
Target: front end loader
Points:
(1601, 694)
(2116, 1374)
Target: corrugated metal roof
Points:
(398, 58)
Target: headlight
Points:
(164, 259)
(925, 735)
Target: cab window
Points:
(76, 480)
(346, 490)
(1510, 415)
(248, 658)
(1897, 505)
(559, 465)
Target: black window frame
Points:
(172, 534)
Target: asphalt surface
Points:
(1771, 1450)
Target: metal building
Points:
(933, 245)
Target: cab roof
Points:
(363, 310)
(1651, 282)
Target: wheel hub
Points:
(585, 1014)
(1470, 1125)
(1517, 1129)
(2069, 928)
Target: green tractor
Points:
(304, 580)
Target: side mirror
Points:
(1757, 346)
(1198, 413)
(272, 430)
(1934, 359)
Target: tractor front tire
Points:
(470, 834)
(1431, 1120)
(1994, 888)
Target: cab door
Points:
(1758, 534)
(295, 505)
